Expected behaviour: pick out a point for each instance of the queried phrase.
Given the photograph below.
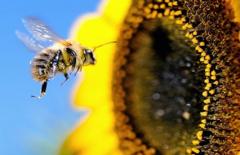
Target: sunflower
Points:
(169, 86)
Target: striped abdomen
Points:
(42, 65)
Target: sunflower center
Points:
(164, 84)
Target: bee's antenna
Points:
(111, 42)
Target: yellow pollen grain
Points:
(170, 4)
(206, 81)
(212, 91)
(205, 107)
(156, 6)
(202, 59)
(190, 36)
(207, 73)
(207, 69)
(207, 57)
(213, 77)
(172, 13)
(185, 26)
(198, 49)
(206, 62)
(203, 54)
(167, 12)
(162, 6)
(213, 72)
(194, 40)
(195, 142)
(167, 1)
(183, 19)
(195, 33)
(154, 14)
(178, 13)
(189, 26)
(204, 121)
(199, 135)
(179, 22)
(160, 15)
(202, 43)
(207, 88)
(209, 85)
(203, 114)
(206, 101)
(175, 3)
(208, 65)
(205, 94)
(195, 150)
(202, 126)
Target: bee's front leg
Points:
(73, 57)
(79, 68)
(66, 77)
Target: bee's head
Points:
(89, 57)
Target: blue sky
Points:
(29, 126)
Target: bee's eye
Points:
(92, 56)
(89, 55)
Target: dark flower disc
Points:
(176, 79)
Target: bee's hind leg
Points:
(66, 78)
(43, 90)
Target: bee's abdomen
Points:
(41, 65)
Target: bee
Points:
(53, 54)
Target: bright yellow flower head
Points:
(101, 132)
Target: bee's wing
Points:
(41, 31)
(31, 43)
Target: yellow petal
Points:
(115, 11)
(95, 135)
(95, 87)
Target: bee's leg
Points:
(78, 69)
(73, 55)
(66, 77)
(74, 63)
(43, 90)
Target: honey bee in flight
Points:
(63, 56)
